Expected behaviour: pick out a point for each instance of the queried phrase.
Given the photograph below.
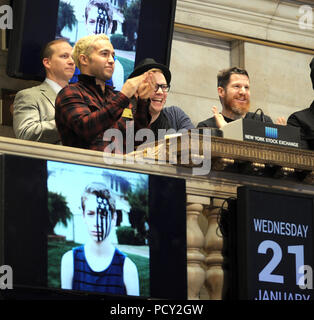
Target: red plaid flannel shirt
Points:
(84, 112)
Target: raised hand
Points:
(147, 88)
(131, 86)
(281, 120)
(220, 121)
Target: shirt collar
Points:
(86, 78)
(54, 85)
(91, 80)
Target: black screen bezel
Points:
(242, 259)
(24, 214)
(35, 25)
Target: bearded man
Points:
(234, 94)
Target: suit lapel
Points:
(48, 92)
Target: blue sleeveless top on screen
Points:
(109, 280)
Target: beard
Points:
(238, 109)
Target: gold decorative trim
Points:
(225, 152)
(221, 152)
(262, 153)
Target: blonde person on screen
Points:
(98, 266)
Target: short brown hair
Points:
(224, 75)
(47, 51)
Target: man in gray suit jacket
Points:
(34, 108)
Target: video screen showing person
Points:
(98, 230)
(118, 19)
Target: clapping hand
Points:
(147, 87)
(281, 120)
(142, 86)
(220, 120)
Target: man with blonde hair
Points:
(99, 18)
(86, 109)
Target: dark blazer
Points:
(304, 120)
(211, 122)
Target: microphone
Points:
(262, 116)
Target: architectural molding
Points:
(276, 21)
(201, 40)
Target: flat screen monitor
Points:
(78, 230)
(272, 235)
(138, 29)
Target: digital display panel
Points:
(71, 228)
(119, 20)
(274, 234)
(91, 242)
(138, 29)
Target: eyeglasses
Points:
(164, 87)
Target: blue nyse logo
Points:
(271, 132)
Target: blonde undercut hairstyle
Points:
(86, 46)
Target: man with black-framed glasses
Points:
(162, 118)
